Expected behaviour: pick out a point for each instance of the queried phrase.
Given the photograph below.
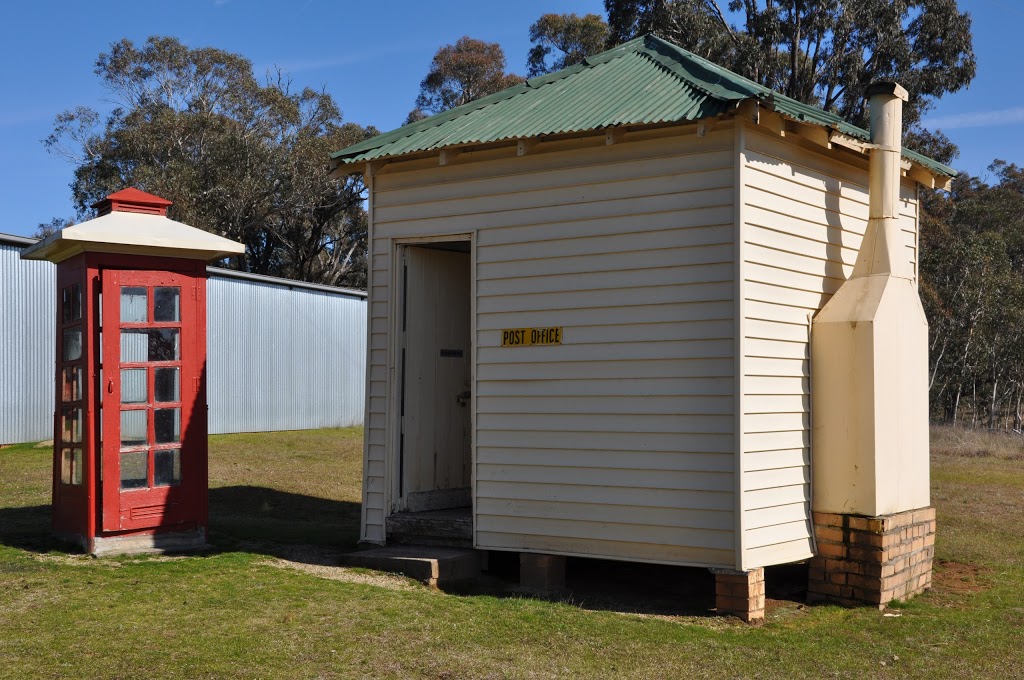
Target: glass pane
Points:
(167, 385)
(72, 385)
(134, 469)
(166, 305)
(167, 467)
(76, 302)
(167, 425)
(163, 344)
(72, 344)
(65, 466)
(133, 428)
(149, 345)
(133, 305)
(65, 295)
(72, 426)
(76, 466)
(133, 386)
(134, 346)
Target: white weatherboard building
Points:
(591, 299)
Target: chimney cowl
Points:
(133, 200)
(886, 87)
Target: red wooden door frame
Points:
(154, 507)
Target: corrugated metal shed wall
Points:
(27, 292)
(280, 357)
(283, 359)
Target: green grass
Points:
(237, 613)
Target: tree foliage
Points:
(240, 158)
(460, 73)
(44, 229)
(972, 285)
(821, 52)
(561, 40)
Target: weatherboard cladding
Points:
(642, 82)
(620, 442)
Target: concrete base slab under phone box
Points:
(140, 544)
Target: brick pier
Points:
(872, 560)
(740, 593)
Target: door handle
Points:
(110, 386)
(463, 398)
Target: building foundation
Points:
(872, 560)
(740, 594)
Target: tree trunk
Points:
(992, 407)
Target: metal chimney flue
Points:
(882, 250)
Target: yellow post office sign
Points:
(531, 337)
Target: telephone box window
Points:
(133, 386)
(167, 467)
(134, 346)
(163, 345)
(133, 305)
(76, 466)
(71, 303)
(71, 467)
(72, 386)
(135, 470)
(133, 428)
(72, 344)
(167, 425)
(167, 384)
(166, 303)
(72, 429)
(65, 466)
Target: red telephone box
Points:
(130, 448)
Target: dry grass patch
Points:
(949, 440)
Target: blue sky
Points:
(370, 56)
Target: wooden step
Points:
(452, 527)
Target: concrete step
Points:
(436, 566)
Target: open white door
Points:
(435, 440)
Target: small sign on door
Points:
(530, 337)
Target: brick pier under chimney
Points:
(872, 560)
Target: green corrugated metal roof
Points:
(643, 81)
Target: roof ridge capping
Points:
(705, 75)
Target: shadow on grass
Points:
(315, 531)
(244, 518)
(636, 587)
(243, 514)
(28, 528)
(607, 585)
